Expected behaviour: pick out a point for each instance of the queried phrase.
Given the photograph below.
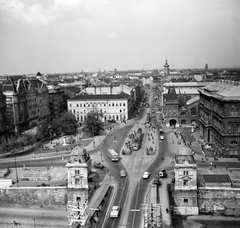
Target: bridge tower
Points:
(78, 168)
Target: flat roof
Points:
(105, 97)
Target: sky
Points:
(59, 36)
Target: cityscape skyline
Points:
(75, 35)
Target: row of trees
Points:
(66, 124)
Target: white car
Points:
(161, 137)
(146, 175)
(123, 173)
(115, 212)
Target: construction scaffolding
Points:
(152, 215)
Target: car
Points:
(161, 131)
(162, 173)
(115, 212)
(123, 173)
(161, 137)
(112, 121)
(43, 185)
(97, 164)
(146, 175)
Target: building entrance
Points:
(172, 122)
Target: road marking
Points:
(135, 210)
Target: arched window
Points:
(193, 111)
(237, 112)
(234, 142)
(183, 121)
(232, 111)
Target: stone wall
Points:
(213, 201)
(184, 202)
(41, 197)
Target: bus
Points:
(113, 155)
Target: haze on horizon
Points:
(75, 35)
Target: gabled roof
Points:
(9, 86)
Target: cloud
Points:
(112, 35)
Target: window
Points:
(76, 171)
(232, 111)
(123, 104)
(77, 181)
(80, 105)
(185, 182)
(185, 200)
(185, 172)
(116, 104)
(77, 105)
(113, 104)
(120, 104)
(70, 105)
(193, 111)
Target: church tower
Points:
(185, 186)
(78, 168)
(166, 70)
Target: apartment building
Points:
(27, 103)
(219, 117)
(112, 106)
(57, 101)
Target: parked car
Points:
(112, 121)
(162, 173)
(162, 137)
(43, 185)
(97, 164)
(115, 212)
(123, 173)
(146, 175)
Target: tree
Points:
(44, 130)
(65, 124)
(94, 123)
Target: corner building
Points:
(219, 117)
(112, 106)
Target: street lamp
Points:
(34, 222)
(15, 162)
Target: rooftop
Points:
(120, 96)
(216, 178)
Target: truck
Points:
(138, 139)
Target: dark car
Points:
(43, 185)
(163, 173)
(112, 121)
(98, 165)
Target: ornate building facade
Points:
(27, 103)
(184, 194)
(219, 117)
(78, 169)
